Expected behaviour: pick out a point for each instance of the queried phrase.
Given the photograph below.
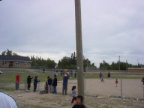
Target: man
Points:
(65, 83)
(49, 84)
(29, 78)
(143, 80)
(54, 85)
(17, 81)
(7, 101)
(100, 75)
(109, 75)
(35, 83)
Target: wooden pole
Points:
(79, 48)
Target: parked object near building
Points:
(14, 62)
(1, 72)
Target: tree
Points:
(9, 53)
(70, 62)
(115, 65)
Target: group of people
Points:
(102, 78)
(48, 85)
(109, 77)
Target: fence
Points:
(129, 84)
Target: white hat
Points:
(7, 101)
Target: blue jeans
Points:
(35, 87)
(54, 90)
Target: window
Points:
(26, 64)
(17, 64)
(4, 63)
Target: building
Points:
(14, 62)
(135, 69)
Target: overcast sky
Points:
(46, 28)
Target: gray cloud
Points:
(47, 28)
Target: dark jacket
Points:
(78, 106)
(65, 80)
(143, 79)
(109, 75)
(29, 79)
(55, 82)
(49, 81)
(100, 75)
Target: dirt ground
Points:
(98, 95)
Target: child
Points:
(73, 93)
(46, 87)
(79, 101)
(102, 79)
(45, 90)
(116, 82)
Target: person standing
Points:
(75, 74)
(17, 81)
(35, 83)
(29, 78)
(100, 75)
(143, 80)
(65, 83)
(73, 94)
(54, 85)
(49, 84)
(102, 79)
(109, 75)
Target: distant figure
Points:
(49, 84)
(100, 75)
(35, 83)
(17, 81)
(102, 79)
(29, 78)
(61, 72)
(75, 74)
(65, 83)
(116, 82)
(43, 70)
(7, 101)
(143, 80)
(71, 73)
(73, 94)
(79, 101)
(109, 75)
(54, 85)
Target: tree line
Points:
(70, 62)
(116, 65)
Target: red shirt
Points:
(17, 78)
(116, 82)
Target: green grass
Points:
(10, 77)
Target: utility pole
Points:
(79, 48)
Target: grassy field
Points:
(10, 76)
